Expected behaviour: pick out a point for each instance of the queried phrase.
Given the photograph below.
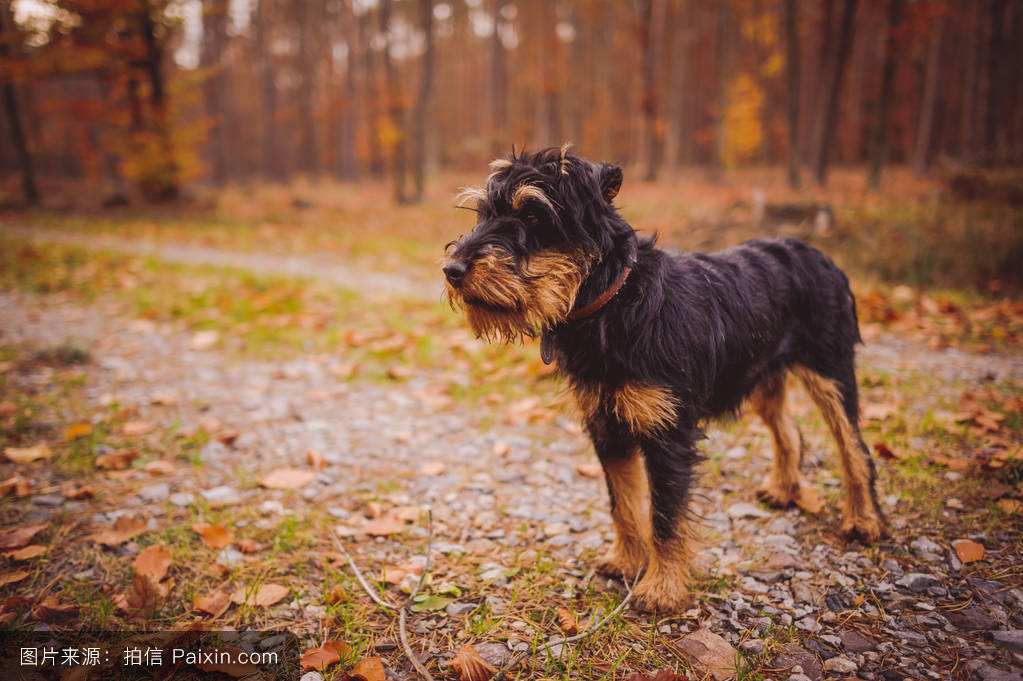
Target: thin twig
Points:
(512, 663)
(403, 609)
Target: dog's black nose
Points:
(455, 271)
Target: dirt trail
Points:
(368, 282)
(501, 492)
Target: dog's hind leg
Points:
(783, 486)
(836, 396)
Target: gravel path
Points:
(502, 487)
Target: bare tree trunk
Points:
(928, 107)
(214, 36)
(721, 47)
(395, 109)
(996, 59)
(423, 100)
(308, 147)
(164, 184)
(879, 131)
(678, 143)
(792, 75)
(498, 85)
(371, 98)
(652, 28)
(551, 93)
(29, 189)
(825, 130)
(348, 167)
(271, 165)
(971, 85)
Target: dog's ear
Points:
(610, 177)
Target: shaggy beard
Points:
(501, 304)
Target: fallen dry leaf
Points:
(567, 621)
(589, 470)
(28, 454)
(153, 562)
(124, 528)
(26, 553)
(16, 538)
(12, 577)
(214, 536)
(160, 467)
(142, 597)
(228, 436)
(384, 526)
(77, 430)
(17, 485)
(470, 666)
(287, 478)
(1009, 506)
(137, 428)
(368, 669)
(52, 610)
(116, 461)
(399, 372)
(264, 597)
(315, 459)
(249, 546)
(321, 657)
(73, 491)
(968, 551)
(885, 452)
(215, 603)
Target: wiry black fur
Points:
(710, 327)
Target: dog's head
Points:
(545, 221)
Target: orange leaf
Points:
(153, 562)
(136, 428)
(470, 666)
(368, 669)
(116, 461)
(567, 621)
(214, 536)
(14, 539)
(12, 577)
(215, 603)
(77, 430)
(1009, 506)
(287, 478)
(27, 553)
(885, 452)
(968, 551)
(383, 526)
(267, 595)
(52, 610)
(124, 529)
(321, 657)
(28, 454)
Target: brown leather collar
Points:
(603, 299)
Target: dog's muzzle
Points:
(455, 271)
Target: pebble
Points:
(156, 492)
(917, 582)
(840, 665)
(50, 500)
(311, 676)
(746, 510)
(182, 499)
(1009, 639)
(753, 646)
(221, 496)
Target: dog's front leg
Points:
(629, 495)
(671, 459)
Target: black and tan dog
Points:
(654, 343)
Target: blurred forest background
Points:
(157, 94)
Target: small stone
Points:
(182, 499)
(753, 646)
(922, 605)
(494, 653)
(271, 507)
(155, 493)
(50, 500)
(455, 609)
(799, 677)
(708, 654)
(855, 642)
(926, 548)
(311, 676)
(221, 496)
(794, 655)
(1011, 639)
(746, 510)
(973, 618)
(840, 665)
(917, 582)
(985, 672)
(230, 556)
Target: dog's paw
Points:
(659, 591)
(621, 564)
(778, 496)
(867, 528)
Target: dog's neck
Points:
(609, 274)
